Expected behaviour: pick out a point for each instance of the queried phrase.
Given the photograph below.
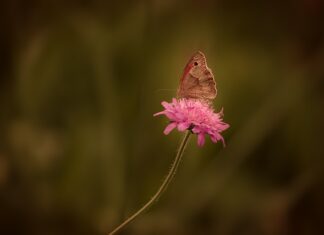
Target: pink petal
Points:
(169, 128)
(179, 116)
(166, 105)
(171, 115)
(201, 139)
(183, 126)
(223, 126)
(217, 137)
(159, 113)
(221, 113)
(196, 130)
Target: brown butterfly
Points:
(197, 81)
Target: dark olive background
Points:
(80, 149)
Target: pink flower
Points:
(194, 115)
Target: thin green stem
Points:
(163, 186)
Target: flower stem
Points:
(163, 186)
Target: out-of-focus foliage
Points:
(80, 149)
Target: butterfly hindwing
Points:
(197, 81)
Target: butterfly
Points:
(197, 81)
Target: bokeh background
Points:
(79, 147)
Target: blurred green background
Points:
(79, 147)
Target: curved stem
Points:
(163, 186)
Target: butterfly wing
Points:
(197, 81)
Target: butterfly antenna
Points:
(163, 90)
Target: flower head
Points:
(194, 115)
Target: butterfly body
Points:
(197, 81)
